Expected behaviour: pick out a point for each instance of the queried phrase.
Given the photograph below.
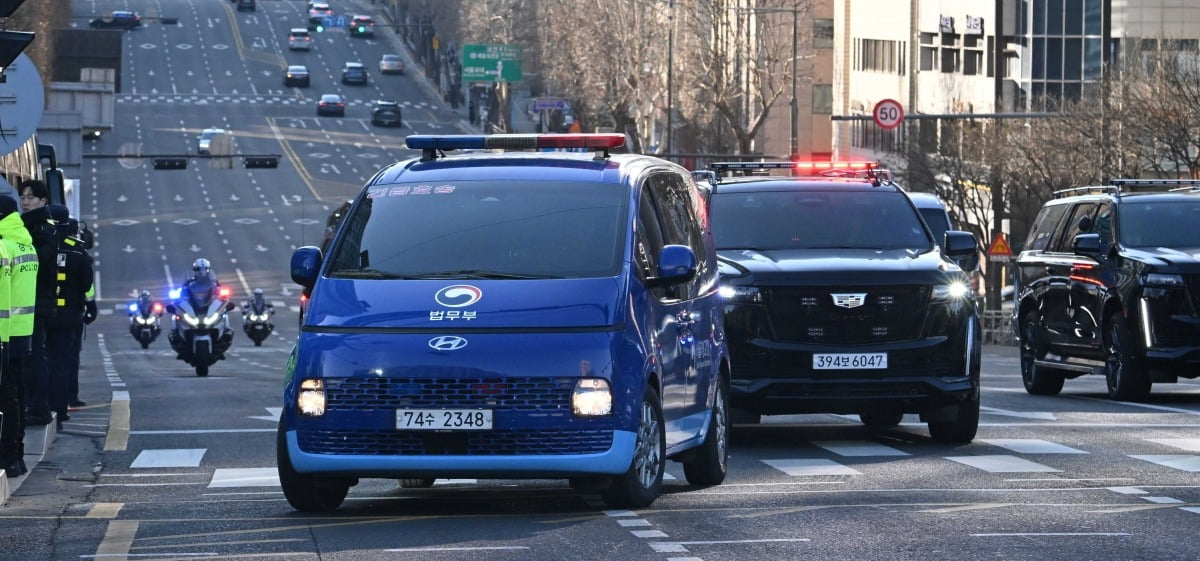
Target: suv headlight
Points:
(1163, 280)
(735, 293)
(952, 291)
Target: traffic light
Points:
(261, 162)
(169, 163)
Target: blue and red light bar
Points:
(599, 141)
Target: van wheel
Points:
(963, 428)
(639, 486)
(306, 493)
(710, 461)
(416, 482)
(1038, 380)
(1123, 369)
(884, 418)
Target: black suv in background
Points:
(838, 300)
(386, 113)
(1108, 281)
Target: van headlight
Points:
(952, 291)
(311, 400)
(737, 293)
(591, 398)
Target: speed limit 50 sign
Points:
(888, 114)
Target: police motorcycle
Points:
(256, 318)
(144, 319)
(200, 332)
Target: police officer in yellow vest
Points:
(16, 317)
(73, 282)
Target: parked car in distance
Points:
(204, 144)
(386, 113)
(246, 6)
(317, 14)
(354, 73)
(299, 39)
(121, 19)
(362, 26)
(296, 76)
(391, 64)
(332, 105)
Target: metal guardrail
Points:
(998, 328)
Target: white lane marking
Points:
(1039, 415)
(1031, 446)
(1142, 405)
(242, 278)
(649, 533)
(169, 457)
(244, 477)
(480, 548)
(858, 448)
(808, 467)
(1162, 500)
(680, 547)
(1051, 534)
(634, 523)
(1192, 509)
(1182, 462)
(273, 414)
(1002, 463)
(198, 431)
(1126, 490)
(617, 513)
(1189, 444)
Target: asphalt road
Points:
(165, 465)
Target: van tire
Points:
(306, 493)
(709, 462)
(639, 486)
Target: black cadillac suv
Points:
(838, 299)
(1108, 282)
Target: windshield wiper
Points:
(481, 274)
(366, 274)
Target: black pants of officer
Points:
(37, 377)
(62, 363)
(12, 406)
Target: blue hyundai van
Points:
(517, 311)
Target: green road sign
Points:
(491, 63)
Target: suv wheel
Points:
(883, 418)
(639, 486)
(306, 493)
(1038, 380)
(709, 463)
(963, 428)
(1123, 369)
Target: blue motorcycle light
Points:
(133, 307)
(175, 293)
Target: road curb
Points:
(37, 444)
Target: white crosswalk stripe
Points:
(1189, 444)
(803, 467)
(1183, 462)
(1031, 446)
(168, 458)
(1002, 463)
(858, 448)
(244, 477)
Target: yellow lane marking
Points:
(118, 426)
(292, 157)
(104, 510)
(118, 537)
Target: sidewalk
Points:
(38, 441)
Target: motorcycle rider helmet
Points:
(201, 268)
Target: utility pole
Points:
(670, 74)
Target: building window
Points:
(822, 101)
(950, 60)
(823, 34)
(972, 62)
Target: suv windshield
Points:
(498, 229)
(772, 220)
(1159, 224)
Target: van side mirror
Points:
(676, 264)
(1087, 244)
(306, 263)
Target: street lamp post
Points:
(670, 74)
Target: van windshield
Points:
(491, 229)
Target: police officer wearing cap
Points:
(73, 283)
(34, 198)
(18, 281)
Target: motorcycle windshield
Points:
(200, 295)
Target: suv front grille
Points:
(808, 314)
(523, 394)
(1193, 288)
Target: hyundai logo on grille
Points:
(447, 343)
(849, 300)
(458, 296)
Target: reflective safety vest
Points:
(24, 260)
(5, 291)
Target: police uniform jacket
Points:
(73, 282)
(23, 259)
(45, 242)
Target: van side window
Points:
(648, 241)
